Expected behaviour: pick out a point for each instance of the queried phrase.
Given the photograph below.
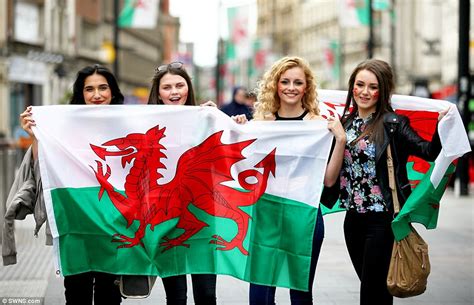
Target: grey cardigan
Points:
(25, 197)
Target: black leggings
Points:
(80, 289)
(204, 289)
(369, 240)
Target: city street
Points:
(249, 60)
(451, 253)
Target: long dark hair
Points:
(154, 97)
(384, 74)
(78, 87)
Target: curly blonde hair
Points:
(268, 101)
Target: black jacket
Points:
(234, 108)
(404, 142)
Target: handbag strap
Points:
(391, 181)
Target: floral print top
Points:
(359, 184)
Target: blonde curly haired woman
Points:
(288, 92)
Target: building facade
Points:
(419, 39)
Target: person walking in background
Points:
(172, 85)
(288, 92)
(371, 126)
(94, 85)
(250, 100)
(238, 104)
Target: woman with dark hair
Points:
(372, 127)
(171, 81)
(109, 83)
(94, 85)
(171, 85)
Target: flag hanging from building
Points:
(133, 190)
(331, 57)
(354, 13)
(239, 36)
(428, 180)
(139, 14)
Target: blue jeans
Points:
(204, 289)
(265, 295)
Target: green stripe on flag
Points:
(279, 241)
(335, 209)
(422, 206)
(282, 234)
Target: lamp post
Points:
(370, 43)
(464, 91)
(116, 40)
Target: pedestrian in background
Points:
(172, 85)
(371, 126)
(288, 92)
(238, 104)
(94, 85)
(250, 100)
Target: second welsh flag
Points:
(169, 190)
(428, 180)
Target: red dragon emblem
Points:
(200, 173)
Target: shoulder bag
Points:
(409, 265)
(136, 286)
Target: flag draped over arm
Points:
(169, 190)
(428, 179)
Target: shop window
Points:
(21, 96)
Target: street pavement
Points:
(451, 282)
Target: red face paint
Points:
(376, 94)
(355, 92)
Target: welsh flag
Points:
(428, 179)
(169, 190)
(139, 14)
